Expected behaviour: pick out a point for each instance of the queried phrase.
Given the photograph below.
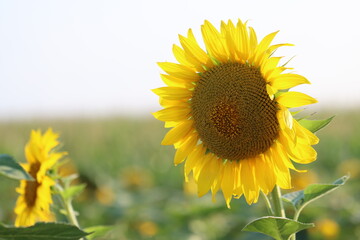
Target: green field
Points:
(133, 185)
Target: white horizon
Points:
(88, 58)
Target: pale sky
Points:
(99, 57)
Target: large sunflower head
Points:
(34, 201)
(228, 110)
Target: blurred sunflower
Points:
(34, 201)
(229, 118)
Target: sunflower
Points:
(34, 201)
(228, 108)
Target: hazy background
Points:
(92, 58)
(85, 68)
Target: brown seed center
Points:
(233, 114)
(225, 119)
(32, 186)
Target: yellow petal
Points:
(272, 48)
(228, 31)
(170, 124)
(177, 113)
(287, 161)
(253, 41)
(185, 149)
(186, 59)
(270, 91)
(214, 42)
(172, 81)
(305, 134)
(288, 119)
(261, 49)
(179, 71)
(300, 153)
(272, 73)
(288, 80)
(177, 133)
(270, 178)
(173, 93)
(179, 54)
(269, 65)
(172, 103)
(260, 173)
(283, 179)
(248, 181)
(305, 154)
(286, 123)
(193, 49)
(228, 181)
(295, 99)
(49, 140)
(243, 43)
(217, 181)
(208, 174)
(193, 158)
(199, 166)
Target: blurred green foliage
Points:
(133, 184)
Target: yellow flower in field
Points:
(328, 228)
(229, 118)
(105, 195)
(301, 180)
(148, 228)
(190, 187)
(34, 201)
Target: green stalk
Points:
(278, 205)
(277, 202)
(267, 203)
(296, 217)
(71, 213)
(293, 237)
(66, 203)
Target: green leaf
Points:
(276, 227)
(315, 191)
(42, 231)
(294, 198)
(97, 231)
(315, 125)
(312, 192)
(11, 169)
(72, 191)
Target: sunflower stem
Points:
(71, 213)
(296, 217)
(278, 205)
(293, 237)
(267, 203)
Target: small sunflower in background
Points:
(33, 204)
(228, 110)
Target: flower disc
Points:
(233, 113)
(32, 186)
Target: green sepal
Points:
(314, 125)
(68, 179)
(300, 199)
(11, 169)
(293, 113)
(277, 227)
(97, 231)
(41, 230)
(72, 191)
(281, 92)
